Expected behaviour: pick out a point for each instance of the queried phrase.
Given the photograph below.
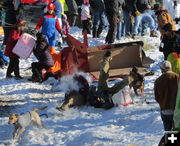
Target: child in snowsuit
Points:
(44, 57)
(49, 24)
(12, 40)
(85, 16)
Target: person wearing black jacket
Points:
(98, 11)
(9, 19)
(170, 41)
(112, 8)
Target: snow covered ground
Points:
(139, 123)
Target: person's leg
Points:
(119, 30)
(147, 18)
(126, 28)
(102, 23)
(16, 68)
(144, 28)
(137, 22)
(112, 19)
(167, 121)
(58, 36)
(95, 22)
(10, 68)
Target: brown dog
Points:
(21, 121)
(137, 84)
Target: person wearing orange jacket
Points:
(49, 24)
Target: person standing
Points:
(165, 90)
(85, 16)
(58, 11)
(49, 24)
(140, 11)
(14, 59)
(72, 12)
(112, 12)
(98, 12)
(8, 18)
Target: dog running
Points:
(22, 121)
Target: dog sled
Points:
(79, 56)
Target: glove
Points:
(148, 6)
(137, 13)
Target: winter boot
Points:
(94, 33)
(153, 34)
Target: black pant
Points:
(167, 122)
(13, 66)
(6, 34)
(37, 69)
(86, 26)
(112, 19)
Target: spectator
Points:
(98, 12)
(170, 41)
(140, 9)
(120, 20)
(85, 16)
(127, 12)
(72, 12)
(49, 25)
(14, 59)
(165, 90)
(112, 12)
(8, 18)
(176, 11)
(163, 17)
(58, 11)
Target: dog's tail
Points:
(39, 109)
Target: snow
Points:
(139, 123)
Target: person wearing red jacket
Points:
(49, 24)
(12, 40)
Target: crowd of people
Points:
(126, 18)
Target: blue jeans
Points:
(167, 121)
(98, 19)
(143, 28)
(126, 24)
(146, 17)
(119, 30)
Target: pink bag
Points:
(24, 46)
(122, 98)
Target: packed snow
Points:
(138, 123)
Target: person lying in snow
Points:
(45, 60)
(100, 98)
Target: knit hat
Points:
(165, 65)
(167, 27)
(86, 1)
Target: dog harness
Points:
(24, 120)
